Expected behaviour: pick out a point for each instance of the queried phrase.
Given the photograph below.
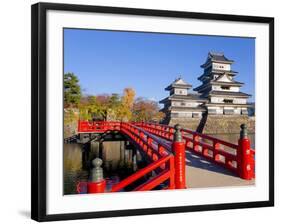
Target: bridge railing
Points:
(167, 167)
(97, 126)
(162, 160)
(167, 158)
(224, 153)
(147, 141)
(165, 174)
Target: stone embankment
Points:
(189, 123)
(71, 117)
(215, 124)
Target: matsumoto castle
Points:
(218, 94)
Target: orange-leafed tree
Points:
(127, 102)
(146, 110)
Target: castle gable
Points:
(224, 78)
(180, 82)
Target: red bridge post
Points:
(179, 152)
(96, 183)
(245, 163)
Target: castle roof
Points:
(179, 83)
(196, 97)
(216, 57)
(208, 84)
(233, 83)
(216, 71)
(228, 93)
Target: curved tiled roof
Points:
(214, 56)
(180, 83)
(183, 97)
(228, 93)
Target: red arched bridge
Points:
(167, 148)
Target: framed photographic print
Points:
(138, 111)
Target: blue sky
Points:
(109, 61)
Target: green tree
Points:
(94, 107)
(72, 90)
(114, 101)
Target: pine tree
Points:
(72, 90)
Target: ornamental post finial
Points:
(244, 131)
(97, 171)
(177, 134)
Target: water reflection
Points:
(74, 170)
(120, 159)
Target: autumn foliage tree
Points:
(146, 110)
(109, 107)
(127, 102)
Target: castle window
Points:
(228, 111)
(225, 87)
(227, 101)
(182, 104)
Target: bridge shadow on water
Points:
(197, 161)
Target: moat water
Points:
(119, 161)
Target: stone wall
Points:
(216, 124)
(189, 123)
(71, 117)
(228, 124)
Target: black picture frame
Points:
(38, 116)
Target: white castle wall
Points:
(184, 103)
(235, 100)
(240, 101)
(222, 110)
(187, 114)
(217, 99)
(179, 91)
(218, 66)
(231, 89)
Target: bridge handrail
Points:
(144, 134)
(162, 157)
(157, 140)
(231, 145)
(230, 158)
(87, 126)
(116, 125)
(217, 140)
(155, 181)
(144, 139)
(129, 180)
